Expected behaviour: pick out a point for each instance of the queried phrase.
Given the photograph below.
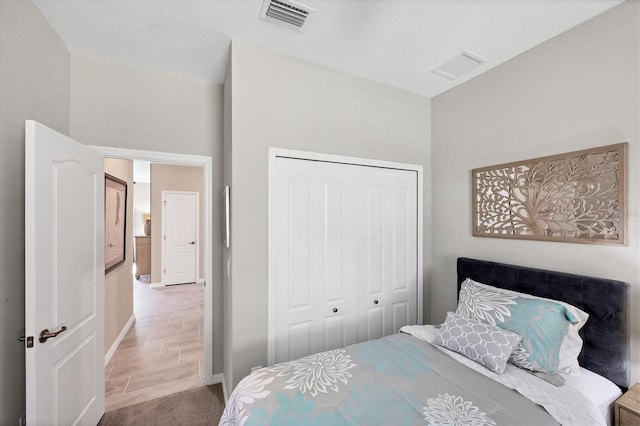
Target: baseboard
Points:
(156, 285)
(219, 378)
(119, 339)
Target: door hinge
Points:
(164, 237)
(165, 270)
(29, 340)
(164, 202)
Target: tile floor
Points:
(163, 351)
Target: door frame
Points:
(164, 224)
(207, 164)
(273, 154)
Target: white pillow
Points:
(571, 344)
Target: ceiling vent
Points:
(459, 65)
(287, 13)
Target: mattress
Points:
(581, 393)
(404, 379)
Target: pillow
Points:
(484, 343)
(543, 324)
(572, 343)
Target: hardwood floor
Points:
(163, 352)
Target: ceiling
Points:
(395, 42)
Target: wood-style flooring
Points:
(163, 351)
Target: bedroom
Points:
(575, 91)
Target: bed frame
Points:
(606, 333)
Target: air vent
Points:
(459, 65)
(287, 13)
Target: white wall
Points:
(293, 104)
(578, 90)
(34, 84)
(117, 105)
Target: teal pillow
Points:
(542, 324)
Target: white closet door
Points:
(297, 236)
(337, 274)
(387, 251)
(345, 254)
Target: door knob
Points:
(46, 334)
(192, 242)
(335, 310)
(375, 302)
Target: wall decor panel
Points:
(574, 197)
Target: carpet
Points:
(198, 406)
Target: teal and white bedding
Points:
(396, 380)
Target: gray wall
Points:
(118, 283)
(226, 253)
(34, 84)
(128, 107)
(293, 104)
(578, 90)
(167, 177)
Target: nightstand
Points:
(627, 408)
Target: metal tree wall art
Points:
(575, 197)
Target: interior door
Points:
(180, 241)
(64, 279)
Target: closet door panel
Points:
(374, 248)
(401, 289)
(399, 317)
(338, 271)
(374, 323)
(390, 287)
(298, 341)
(295, 267)
(334, 334)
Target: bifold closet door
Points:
(345, 254)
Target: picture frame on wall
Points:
(115, 221)
(225, 217)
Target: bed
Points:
(457, 372)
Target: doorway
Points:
(206, 291)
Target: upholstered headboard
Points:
(606, 333)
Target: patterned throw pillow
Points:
(543, 324)
(486, 344)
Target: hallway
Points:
(163, 351)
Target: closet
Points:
(343, 254)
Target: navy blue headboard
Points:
(606, 333)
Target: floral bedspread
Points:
(396, 380)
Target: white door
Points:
(386, 263)
(345, 254)
(64, 279)
(295, 204)
(314, 295)
(180, 237)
